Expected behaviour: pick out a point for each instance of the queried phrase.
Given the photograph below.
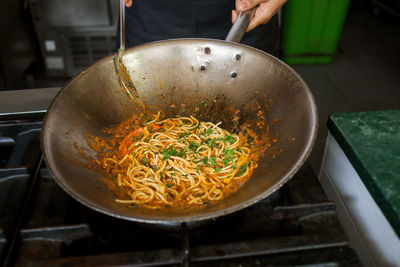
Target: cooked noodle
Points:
(178, 162)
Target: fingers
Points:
(265, 11)
(243, 5)
(128, 3)
(234, 16)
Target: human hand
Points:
(265, 11)
(128, 3)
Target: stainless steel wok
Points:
(167, 74)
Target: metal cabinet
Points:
(74, 34)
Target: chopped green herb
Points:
(202, 133)
(228, 156)
(205, 160)
(133, 125)
(181, 153)
(229, 152)
(226, 161)
(229, 139)
(162, 130)
(209, 131)
(169, 185)
(197, 168)
(186, 134)
(213, 144)
(205, 104)
(168, 153)
(243, 168)
(132, 139)
(214, 100)
(218, 169)
(193, 146)
(197, 195)
(234, 166)
(145, 161)
(213, 161)
(210, 142)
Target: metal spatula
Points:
(123, 76)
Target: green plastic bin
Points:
(311, 30)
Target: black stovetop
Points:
(41, 225)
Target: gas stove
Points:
(41, 225)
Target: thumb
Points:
(243, 5)
(128, 3)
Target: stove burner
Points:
(41, 225)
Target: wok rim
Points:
(187, 218)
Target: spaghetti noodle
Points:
(178, 162)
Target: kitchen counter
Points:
(371, 141)
(360, 171)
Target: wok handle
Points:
(239, 28)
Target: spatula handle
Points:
(122, 24)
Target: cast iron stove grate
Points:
(40, 225)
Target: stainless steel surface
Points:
(239, 28)
(122, 24)
(26, 101)
(175, 71)
(73, 34)
(123, 76)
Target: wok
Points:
(167, 74)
